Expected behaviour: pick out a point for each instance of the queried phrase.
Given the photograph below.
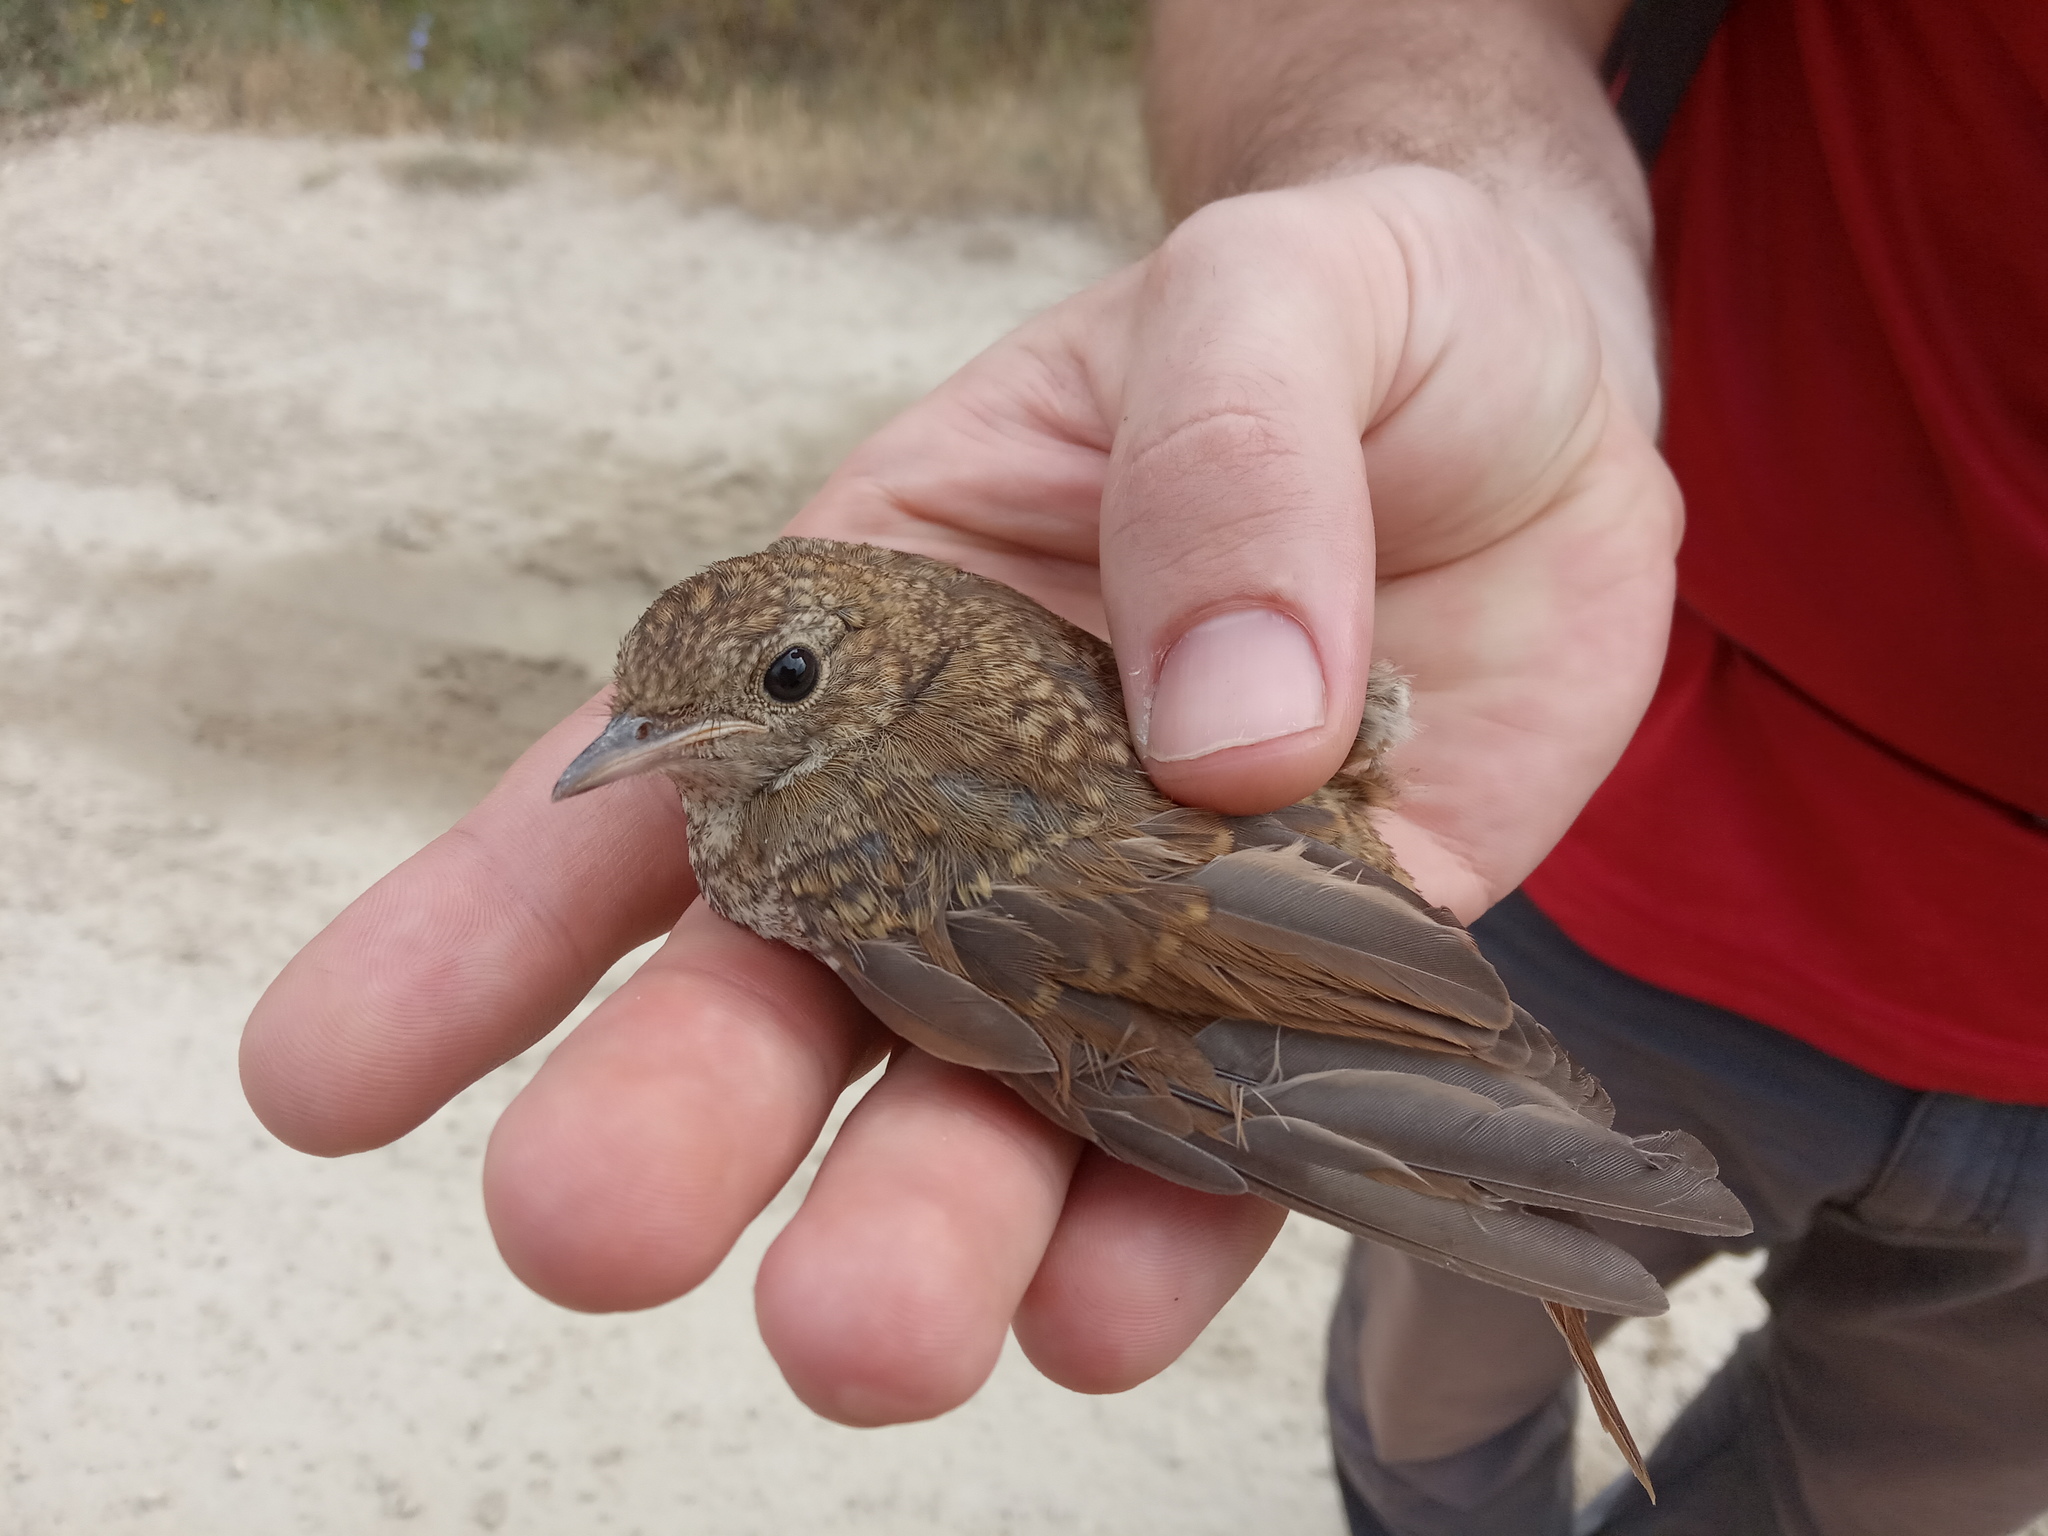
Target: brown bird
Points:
(924, 779)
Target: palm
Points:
(1163, 445)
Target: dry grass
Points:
(1072, 151)
(809, 109)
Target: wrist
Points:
(1504, 94)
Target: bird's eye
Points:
(791, 676)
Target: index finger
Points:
(466, 954)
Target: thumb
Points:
(1237, 544)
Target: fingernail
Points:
(1233, 680)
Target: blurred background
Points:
(786, 108)
(364, 369)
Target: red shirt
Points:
(1835, 817)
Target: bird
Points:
(926, 780)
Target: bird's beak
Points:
(634, 744)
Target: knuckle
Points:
(1261, 232)
(1220, 441)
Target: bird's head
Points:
(759, 669)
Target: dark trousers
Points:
(1900, 1387)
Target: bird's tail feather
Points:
(1571, 1322)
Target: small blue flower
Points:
(416, 44)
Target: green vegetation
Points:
(819, 108)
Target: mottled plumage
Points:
(924, 779)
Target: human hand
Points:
(1194, 425)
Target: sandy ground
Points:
(326, 481)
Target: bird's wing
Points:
(940, 1011)
(1246, 1011)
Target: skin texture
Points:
(1181, 441)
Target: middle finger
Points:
(623, 1173)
